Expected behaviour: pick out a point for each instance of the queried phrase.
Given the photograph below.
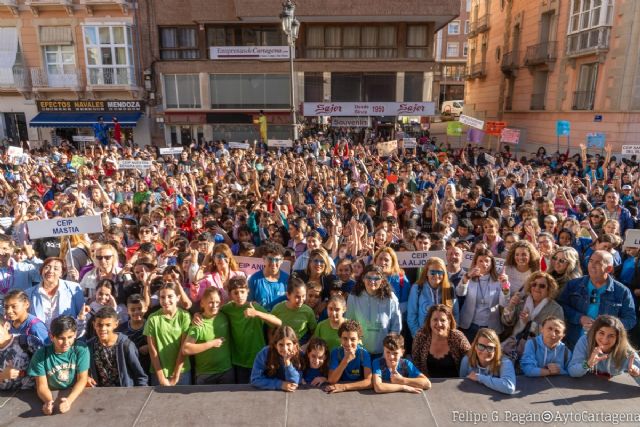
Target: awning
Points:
(83, 120)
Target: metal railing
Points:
(588, 41)
(477, 70)
(15, 77)
(108, 76)
(353, 52)
(583, 100)
(541, 53)
(510, 61)
(537, 101)
(40, 78)
(479, 25)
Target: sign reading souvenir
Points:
(64, 226)
(631, 149)
(410, 143)
(351, 122)
(57, 106)
(495, 128)
(387, 148)
(418, 259)
(168, 151)
(369, 108)
(239, 146)
(596, 140)
(510, 136)
(632, 239)
(283, 143)
(250, 265)
(249, 52)
(454, 128)
(471, 121)
(563, 128)
(134, 164)
(467, 261)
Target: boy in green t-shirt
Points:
(246, 321)
(210, 342)
(61, 365)
(294, 313)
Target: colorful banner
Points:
(494, 128)
(510, 136)
(563, 128)
(474, 135)
(454, 128)
(249, 52)
(359, 109)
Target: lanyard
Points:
(481, 292)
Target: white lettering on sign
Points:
(64, 226)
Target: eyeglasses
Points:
(596, 216)
(487, 348)
(539, 285)
(560, 260)
(373, 278)
(318, 262)
(103, 257)
(274, 260)
(436, 273)
(220, 256)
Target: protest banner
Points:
(418, 259)
(276, 143)
(632, 239)
(83, 138)
(387, 148)
(14, 151)
(495, 128)
(64, 226)
(251, 265)
(168, 151)
(134, 164)
(472, 121)
(239, 145)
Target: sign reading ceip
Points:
(467, 262)
(418, 259)
(251, 265)
(64, 226)
(632, 239)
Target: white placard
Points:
(249, 52)
(64, 226)
(418, 259)
(631, 149)
(410, 142)
(632, 239)
(369, 109)
(168, 151)
(83, 138)
(283, 143)
(239, 145)
(351, 122)
(14, 151)
(134, 164)
(471, 121)
(250, 265)
(387, 148)
(490, 159)
(467, 261)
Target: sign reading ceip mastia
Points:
(64, 226)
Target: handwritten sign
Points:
(471, 121)
(14, 151)
(280, 143)
(64, 226)
(250, 265)
(418, 259)
(134, 164)
(168, 151)
(632, 239)
(239, 145)
(387, 148)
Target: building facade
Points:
(451, 56)
(532, 63)
(205, 80)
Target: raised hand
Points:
(250, 311)
(633, 370)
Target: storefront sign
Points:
(387, 148)
(510, 136)
(57, 106)
(283, 143)
(239, 146)
(632, 239)
(250, 265)
(64, 226)
(369, 109)
(472, 121)
(134, 164)
(418, 259)
(249, 52)
(168, 151)
(351, 122)
(631, 149)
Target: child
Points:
(134, 328)
(16, 309)
(327, 330)
(316, 362)
(165, 331)
(106, 297)
(392, 373)
(114, 358)
(350, 364)
(246, 321)
(279, 365)
(344, 271)
(209, 342)
(546, 354)
(61, 365)
(15, 354)
(485, 363)
(605, 351)
(314, 300)
(293, 312)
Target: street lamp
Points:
(291, 27)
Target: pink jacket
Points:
(212, 279)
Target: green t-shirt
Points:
(247, 335)
(328, 334)
(218, 359)
(60, 369)
(167, 333)
(301, 319)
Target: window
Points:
(587, 14)
(468, 5)
(413, 87)
(585, 94)
(179, 43)
(351, 42)
(453, 49)
(313, 87)
(454, 28)
(182, 91)
(417, 41)
(230, 35)
(466, 26)
(363, 87)
(539, 90)
(465, 49)
(60, 62)
(250, 91)
(109, 55)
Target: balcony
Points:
(583, 100)
(537, 101)
(11, 5)
(479, 25)
(15, 78)
(41, 80)
(510, 62)
(37, 5)
(588, 42)
(542, 53)
(121, 78)
(477, 70)
(91, 5)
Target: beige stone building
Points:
(532, 63)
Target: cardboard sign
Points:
(410, 143)
(495, 128)
(472, 121)
(283, 143)
(563, 128)
(250, 265)
(387, 148)
(510, 136)
(467, 261)
(631, 149)
(64, 226)
(454, 128)
(134, 164)
(418, 259)
(168, 151)
(239, 145)
(632, 239)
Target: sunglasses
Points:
(560, 260)
(103, 257)
(596, 216)
(486, 348)
(436, 273)
(539, 285)
(318, 262)
(274, 260)
(220, 256)
(373, 278)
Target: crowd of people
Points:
(283, 268)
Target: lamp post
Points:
(291, 27)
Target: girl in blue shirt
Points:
(486, 365)
(279, 365)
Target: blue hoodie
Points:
(259, 376)
(537, 356)
(505, 383)
(420, 300)
(607, 366)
